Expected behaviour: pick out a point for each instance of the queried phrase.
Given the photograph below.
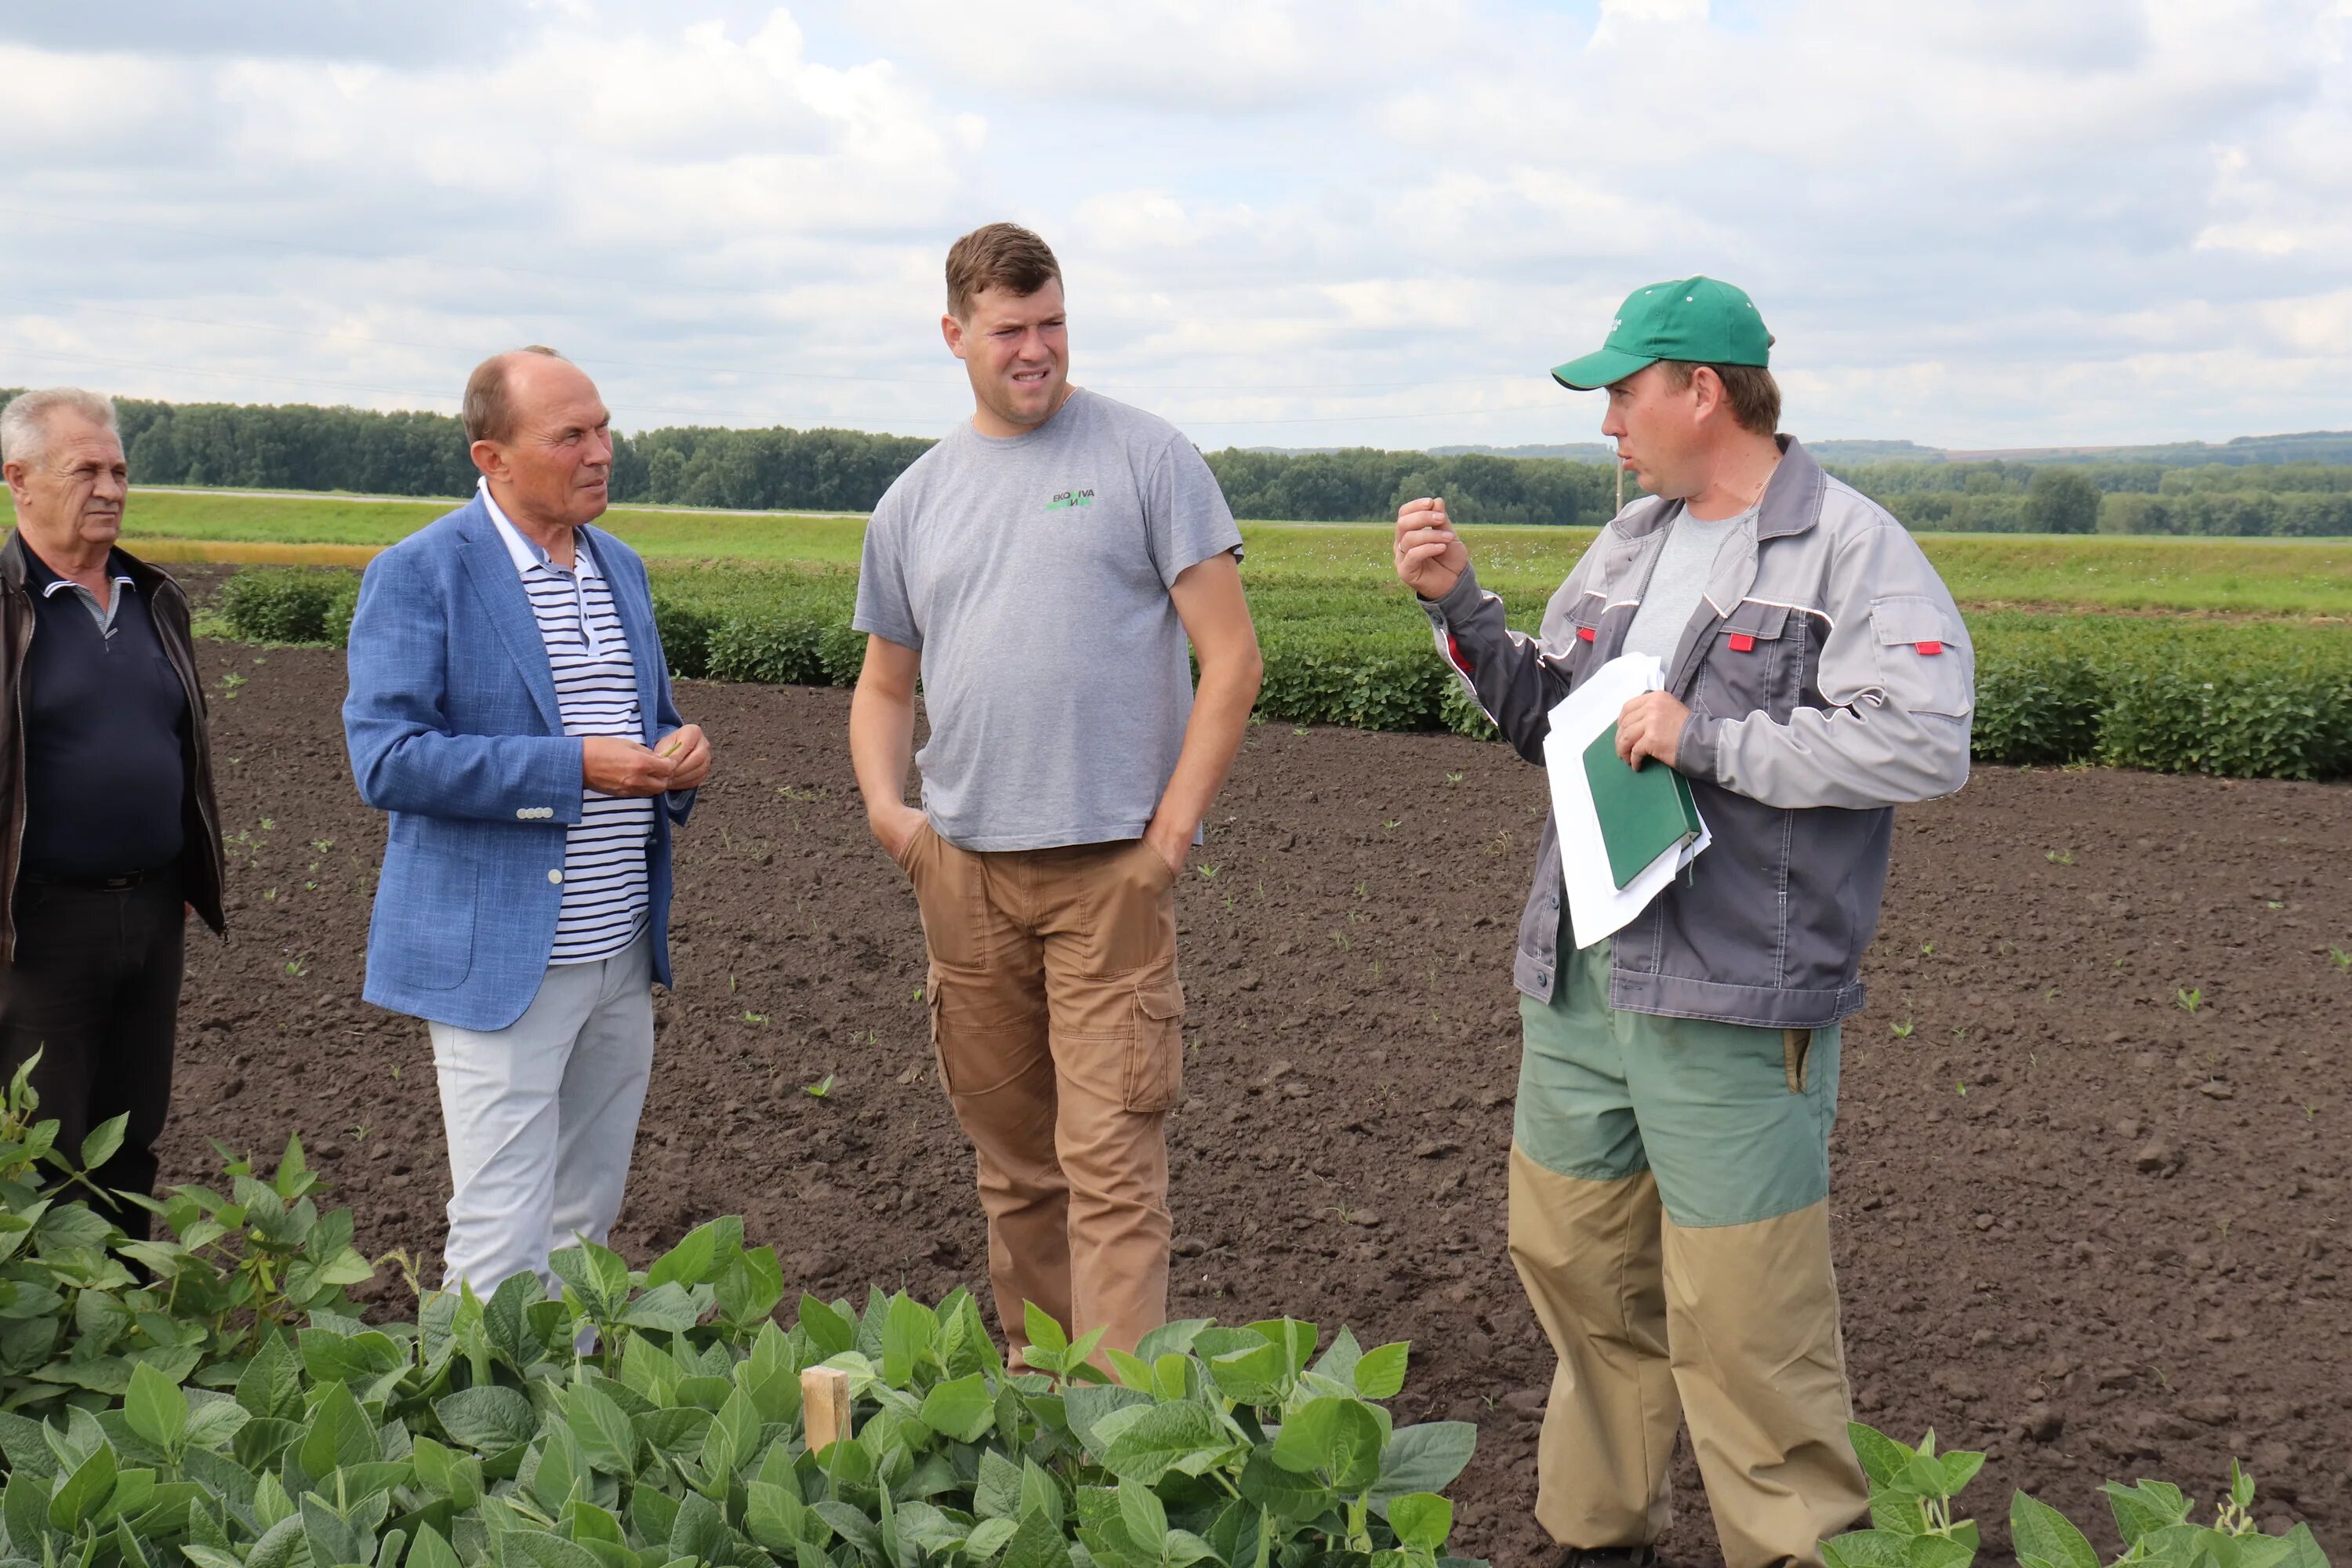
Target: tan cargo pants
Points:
(1056, 1018)
(1670, 1220)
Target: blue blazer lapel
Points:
(636, 610)
(501, 585)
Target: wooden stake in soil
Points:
(824, 1406)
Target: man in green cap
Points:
(1670, 1154)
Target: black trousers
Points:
(96, 991)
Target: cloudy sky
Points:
(1283, 222)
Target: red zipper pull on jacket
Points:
(1584, 634)
(1742, 642)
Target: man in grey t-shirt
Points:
(1042, 570)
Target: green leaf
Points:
(1140, 1511)
(1038, 1543)
(909, 1332)
(1043, 1334)
(827, 1330)
(987, 1538)
(340, 1435)
(1358, 1439)
(156, 1408)
(668, 1309)
(775, 1516)
(25, 1508)
(542, 1549)
(213, 1424)
(1171, 1339)
(606, 1435)
(1421, 1519)
(997, 1494)
(488, 1419)
(701, 1255)
(271, 1506)
(90, 1485)
(961, 1408)
(331, 1536)
(271, 1383)
(1284, 1493)
(1296, 1339)
(103, 1141)
(751, 1285)
(2145, 1509)
(1253, 1376)
(1884, 1460)
(2038, 1530)
(850, 1524)
(674, 1432)
(1379, 1375)
(1144, 1442)
(1424, 1459)
(278, 1544)
(700, 1530)
(1959, 1469)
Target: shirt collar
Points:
(38, 574)
(526, 553)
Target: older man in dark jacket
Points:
(109, 833)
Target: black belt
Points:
(116, 884)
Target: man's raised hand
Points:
(1430, 558)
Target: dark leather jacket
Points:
(201, 861)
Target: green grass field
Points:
(2242, 576)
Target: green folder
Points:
(1643, 813)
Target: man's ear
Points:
(952, 330)
(15, 473)
(1706, 390)
(487, 457)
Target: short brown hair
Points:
(488, 413)
(1754, 395)
(997, 255)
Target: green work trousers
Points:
(1669, 1217)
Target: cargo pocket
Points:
(939, 1056)
(1155, 1051)
(1925, 665)
(1752, 665)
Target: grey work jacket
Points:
(1828, 677)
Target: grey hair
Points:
(25, 423)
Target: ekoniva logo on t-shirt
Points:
(1068, 499)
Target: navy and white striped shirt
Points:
(605, 886)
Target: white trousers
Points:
(542, 1117)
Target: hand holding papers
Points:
(1622, 839)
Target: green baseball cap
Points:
(1697, 320)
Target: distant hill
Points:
(2303, 447)
(1574, 451)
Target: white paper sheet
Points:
(1597, 907)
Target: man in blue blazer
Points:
(510, 708)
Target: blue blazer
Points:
(453, 727)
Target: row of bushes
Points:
(214, 1397)
(2239, 699)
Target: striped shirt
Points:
(605, 889)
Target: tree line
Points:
(299, 447)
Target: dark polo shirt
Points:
(105, 716)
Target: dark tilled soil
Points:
(2081, 1224)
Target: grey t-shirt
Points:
(1678, 584)
(1032, 572)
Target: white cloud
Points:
(1295, 222)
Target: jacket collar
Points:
(17, 567)
(1792, 501)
